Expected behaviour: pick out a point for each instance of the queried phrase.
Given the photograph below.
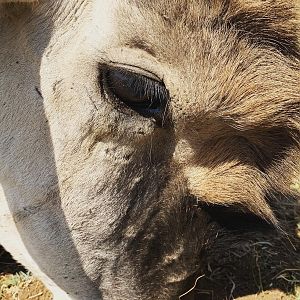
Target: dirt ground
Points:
(33, 289)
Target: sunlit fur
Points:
(134, 209)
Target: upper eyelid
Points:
(132, 69)
(140, 78)
(141, 82)
(148, 82)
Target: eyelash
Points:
(145, 95)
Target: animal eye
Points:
(142, 94)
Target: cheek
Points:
(97, 187)
(91, 189)
(94, 197)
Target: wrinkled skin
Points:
(102, 202)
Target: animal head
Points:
(132, 130)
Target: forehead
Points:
(223, 50)
(270, 24)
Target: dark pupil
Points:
(143, 94)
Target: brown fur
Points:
(17, 1)
(238, 109)
(233, 77)
(230, 146)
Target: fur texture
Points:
(17, 1)
(92, 188)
